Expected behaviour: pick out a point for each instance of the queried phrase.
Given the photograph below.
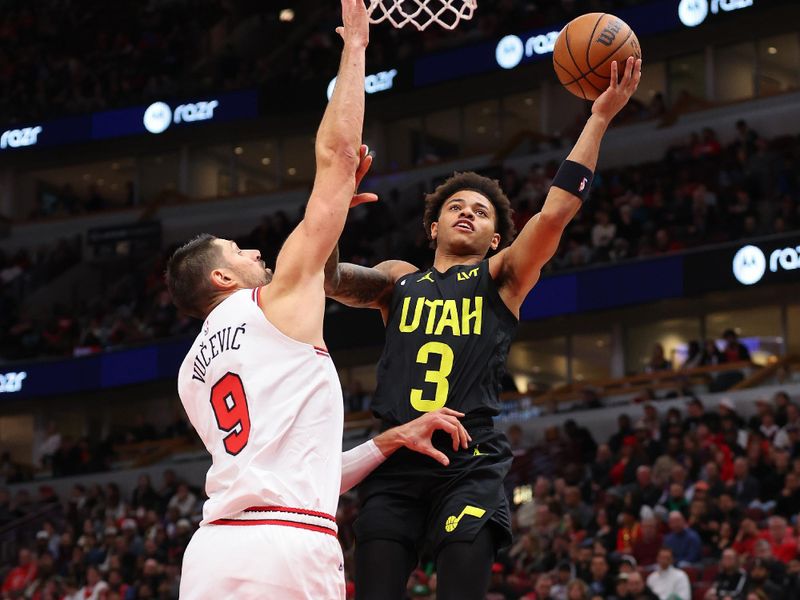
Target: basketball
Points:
(585, 49)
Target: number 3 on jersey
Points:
(438, 376)
(230, 409)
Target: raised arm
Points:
(517, 268)
(297, 286)
(337, 158)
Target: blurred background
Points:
(658, 355)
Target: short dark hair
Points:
(490, 188)
(187, 275)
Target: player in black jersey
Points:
(448, 330)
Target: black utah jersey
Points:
(447, 339)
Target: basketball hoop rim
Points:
(421, 15)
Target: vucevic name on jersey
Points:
(447, 340)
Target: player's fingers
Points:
(434, 454)
(451, 412)
(364, 165)
(629, 69)
(465, 439)
(340, 31)
(637, 74)
(614, 75)
(456, 430)
(364, 198)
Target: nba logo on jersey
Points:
(582, 187)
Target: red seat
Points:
(699, 590)
(710, 573)
(693, 573)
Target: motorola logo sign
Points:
(19, 138)
(509, 52)
(379, 82)
(159, 116)
(693, 12)
(786, 259)
(11, 382)
(512, 49)
(749, 265)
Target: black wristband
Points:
(574, 178)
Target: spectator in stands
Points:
(731, 581)
(788, 499)
(658, 362)
(581, 439)
(144, 496)
(95, 588)
(625, 429)
(781, 402)
(645, 549)
(668, 582)
(578, 590)
(783, 545)
(776, 569)
(745, 138)
(184, 501)
(683, 541)
(22, 575)
(603, 231)
(759, 581)
(743, 487)
(645, 492)
(694, 356)
(600, 581)
(734, 350)
(637, 589)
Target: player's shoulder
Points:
(395, 269)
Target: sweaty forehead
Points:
(472, 198)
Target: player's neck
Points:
(444, 260)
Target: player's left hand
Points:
(610, 102)
(416, 434)
(364, 163)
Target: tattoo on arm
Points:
(332, 272)
(361, 286)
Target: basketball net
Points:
(421, 13)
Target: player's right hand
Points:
(417, 433)
(610, 102)
(356, 23)
(364, 163)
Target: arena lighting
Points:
(12, 382)
(693, 12)
(286, 15)
(379, 82)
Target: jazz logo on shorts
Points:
(453, 521)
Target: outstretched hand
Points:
(610, 102)
(364, 163)
(356, 22)
(416, 435)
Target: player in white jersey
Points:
(262, 392)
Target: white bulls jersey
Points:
(268, 409)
